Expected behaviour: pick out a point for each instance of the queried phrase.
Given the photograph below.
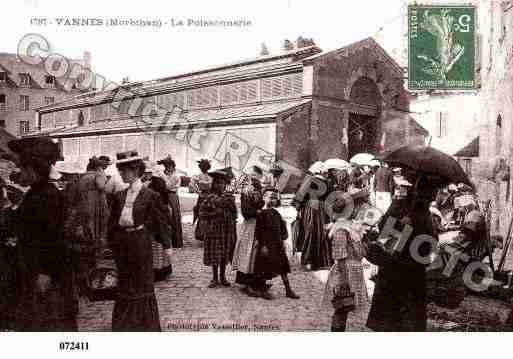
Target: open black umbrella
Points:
(430, 161)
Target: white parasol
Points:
(362, 159)
(317, 167)
(69, 167)
(375, 163)
(336, 163)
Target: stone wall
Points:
(497, 111)
(382, 94)
(292, 144)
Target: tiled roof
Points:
(369, 41)
(13, 65)
(297, 52)
(158, 87)
(228, 114)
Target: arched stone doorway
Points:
(363, 127)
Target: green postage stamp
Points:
(441, 47)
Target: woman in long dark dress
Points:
(137, 217)
(46, 299)
(162, 266)
(251, 202)
(86, 222)
(313, 242)
(399, 300)
(271, 232)
(173, 182)
(7, 258)
(200, 184)
(219, 213)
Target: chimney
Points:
(87, 59)
(263, 50)
(304, 42)
(287, 45)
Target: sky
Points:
(145, 53)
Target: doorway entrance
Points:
(362, 133)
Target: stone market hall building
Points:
(299, 106)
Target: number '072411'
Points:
(74, 346)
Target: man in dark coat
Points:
(399, 300)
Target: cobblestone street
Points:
(186, 304)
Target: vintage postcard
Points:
(258, 168)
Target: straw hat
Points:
(127, 157)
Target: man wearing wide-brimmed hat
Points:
(173, 182)
(46, 266)
(218, 214)
(137, 217)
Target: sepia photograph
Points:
(255, 167)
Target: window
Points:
(467, 162)
(24, 103)
(80, 118)
(24, 127)
(50, 81)
(3, 76)
(442, 124)
(498, 136)
(3, 102)
(2, 123)
(24, 79)
(203, 97)
(282, 86)
(239, 92)
(49, 100)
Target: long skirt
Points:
(355, 280)
(54, 310)
(136, 307)
(245, 249)
(275, 263)
(199, 229)
(399, 305)
(219, 241)
(162, 266)
(315, 250)
(176, 218)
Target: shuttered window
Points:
(47, 120)
(282, 86)
(169, 101)
(141, 143)
(61, 117)
(89, 146)
(240, 92)
(203, 97)
(111, 145)
(70, 147)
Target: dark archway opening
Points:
(363, 129)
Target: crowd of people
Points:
(63, 227)
(66, 222)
